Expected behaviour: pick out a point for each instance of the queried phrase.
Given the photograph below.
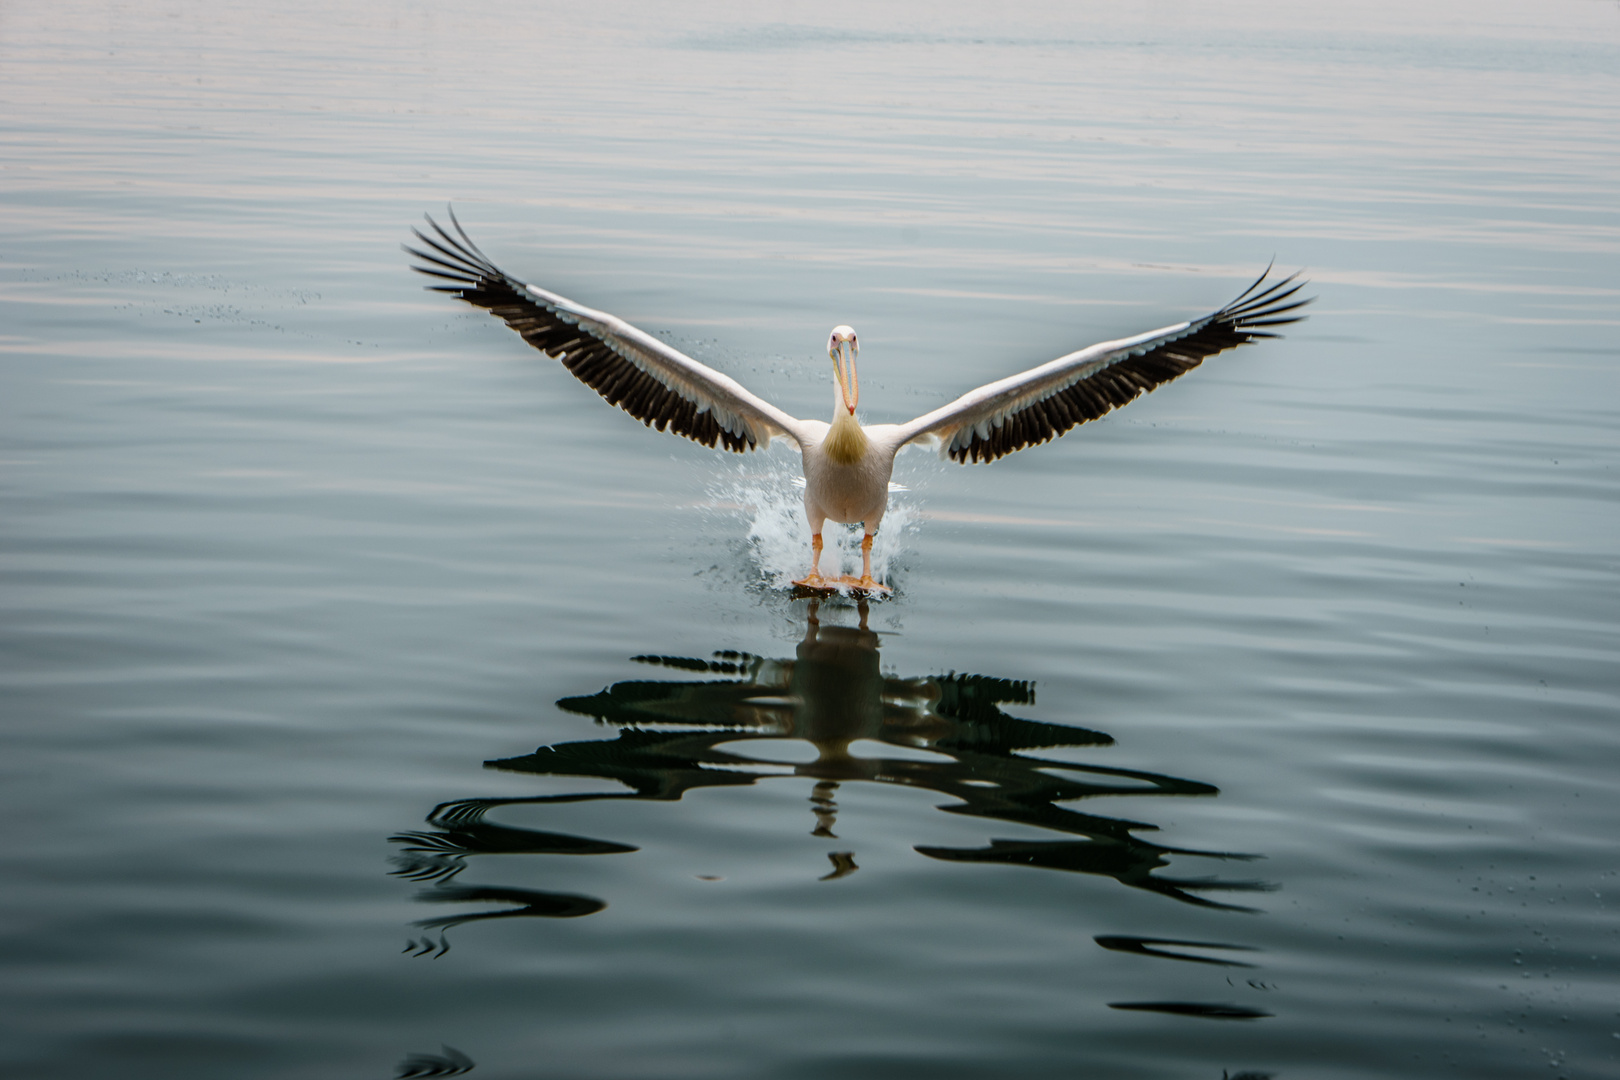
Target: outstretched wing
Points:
(658, 385)
(1043, 403)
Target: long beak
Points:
(844, 369)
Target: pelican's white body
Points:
(854, 494)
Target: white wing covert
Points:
(658, 385)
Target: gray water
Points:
(378, 702)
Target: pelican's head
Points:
(843, 348)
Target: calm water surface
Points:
(377, 703)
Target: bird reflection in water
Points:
(679, 736)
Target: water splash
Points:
(769, 496)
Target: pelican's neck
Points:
(845, 443)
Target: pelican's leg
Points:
(813, 579)
(866, 562)
(815, 562)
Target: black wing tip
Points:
(444, 256)
(1253, 308)
(461, 250)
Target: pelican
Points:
(847, 464)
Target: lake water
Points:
(376, 702)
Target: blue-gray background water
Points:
(1266, 726)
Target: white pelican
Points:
(846, 464)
